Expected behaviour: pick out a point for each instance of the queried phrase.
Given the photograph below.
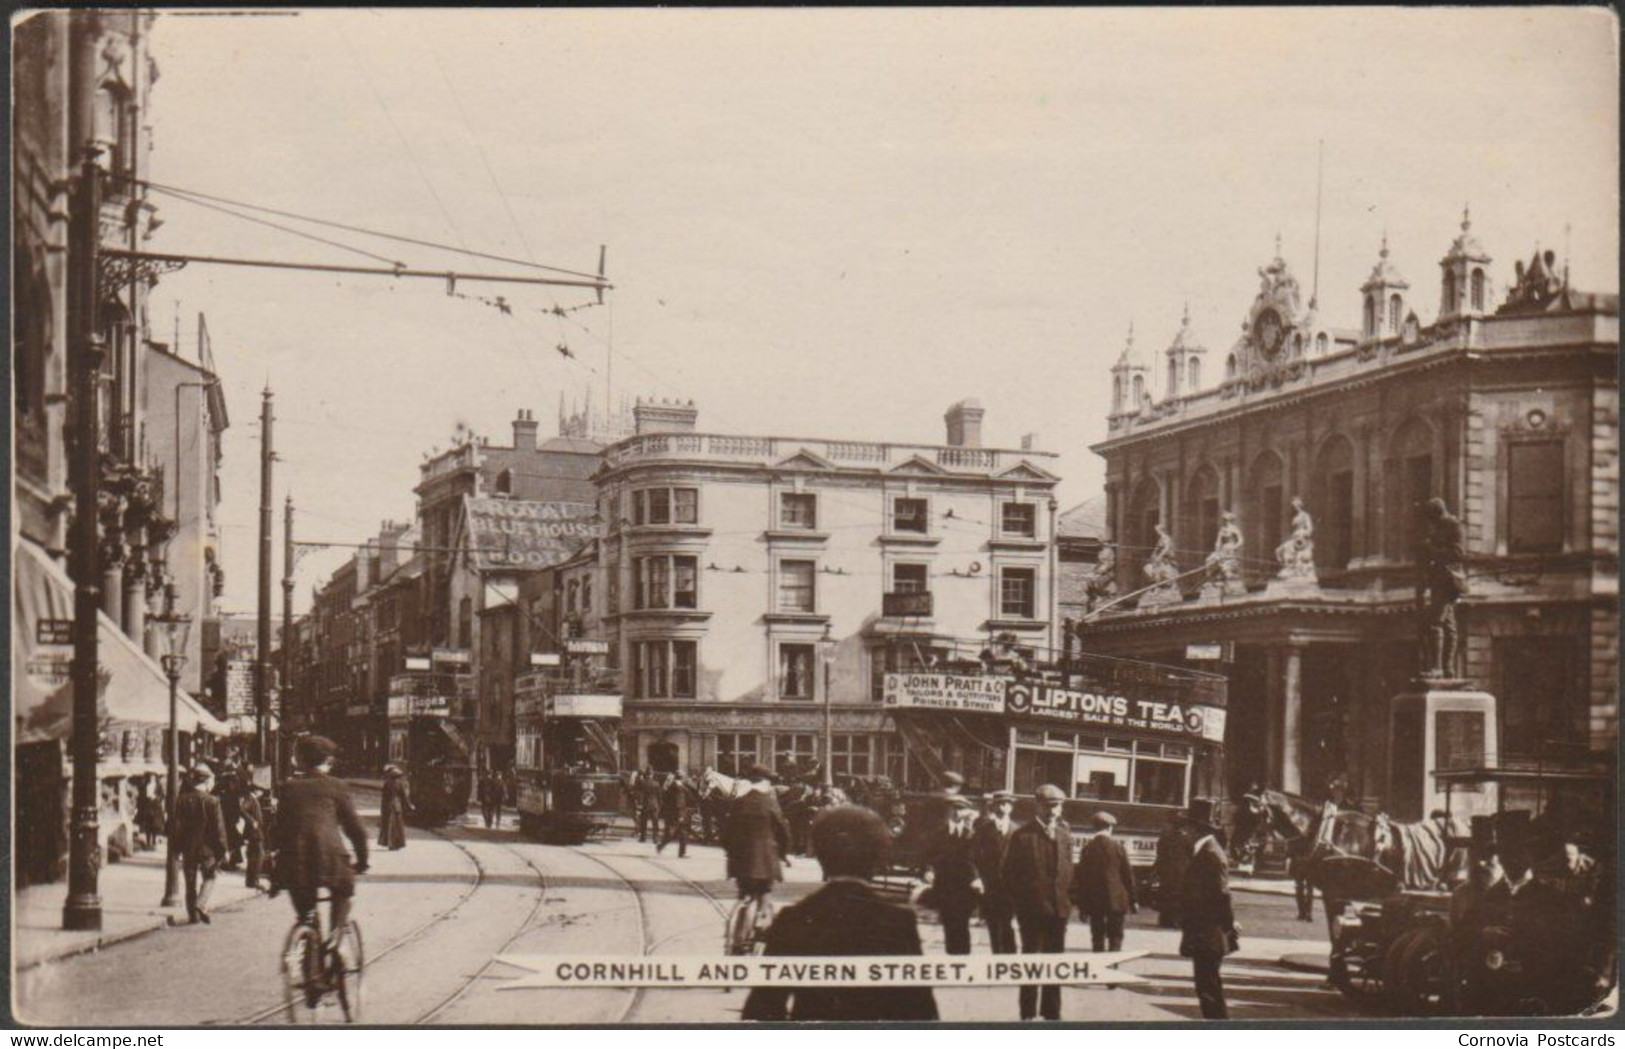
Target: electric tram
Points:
(566, 757)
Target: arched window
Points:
(1407, 485)
(1478, 289)
(1139, 390)
(1370, 316)
(1144, 514)
(1297, 344)
(1230, 367)
(1449, 291)
(505, 483)
(1117, 393)
(1173, 376)
(1264, 518)
(1322, 344)
(1331, 499)
(1193, 374)
(1396, 306)
(1199, 521)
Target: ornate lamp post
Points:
(176, 628)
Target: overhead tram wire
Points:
(479, 148)
(179, 192)
(295, 232)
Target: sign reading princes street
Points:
(507, 535)
(1002, 695)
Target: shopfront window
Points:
(736, 751)
(849, 754)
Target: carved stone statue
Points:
(1224, 563)
(1296, 553)
(1161, 571)
(1440, 588)
(1101, 585)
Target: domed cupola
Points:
(1131, 379)
(1384, 296)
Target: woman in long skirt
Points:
(397, 803)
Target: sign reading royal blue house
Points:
(507, 535)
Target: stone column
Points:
(1272, 715)
(1291, 735)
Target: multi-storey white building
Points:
(753, 587)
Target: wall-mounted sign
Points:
(54, 632)
(407, 706)
(455, 656)
(1210, 653)
(544, 659)
(584, 706)
(507, 535)
(967, 692)
(239, 688)
(586, 646)
(418, 663)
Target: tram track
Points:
(411, 937)
(645, 929)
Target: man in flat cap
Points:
(1038, 873)
(950, 869)
(845, 917)
(314, 810)
(992, 844)
(1103, 884)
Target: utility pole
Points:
(266, 751)
(287, 602)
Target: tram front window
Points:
(1101, 778)
(1159, 782)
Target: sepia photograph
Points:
(600, 517)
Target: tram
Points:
(430, 746)
(1135, 739)
(566, 758)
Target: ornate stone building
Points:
(1506, 410)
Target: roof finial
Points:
(1186, 318)
(1131, 333)
(1384, 251)
(1277, 243)
(1466, 217)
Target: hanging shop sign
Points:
(967, 692)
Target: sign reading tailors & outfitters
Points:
(1038, 701)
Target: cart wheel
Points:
(1420, 973)
(1361, 977)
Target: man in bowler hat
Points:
(1207, 920)
(1103, 885)
(1038, 873)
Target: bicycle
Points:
(313, 968)
(748, 922)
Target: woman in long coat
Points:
(397, 803)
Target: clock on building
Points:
(1270, 333)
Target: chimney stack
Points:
(965, 424)
(524, 431)
(663, 416)
(1029, 441)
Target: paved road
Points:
(437, 913)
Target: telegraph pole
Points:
(266, 751)
(287, 602)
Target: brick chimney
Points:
(965, 424)
(524, 431)
(389, 547)
(663, 416)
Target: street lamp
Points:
(175, 628)
(827, 657)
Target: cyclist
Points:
(313, 811)
(757, 839)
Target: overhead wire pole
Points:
(287, 602)
(264, 750)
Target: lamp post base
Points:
(82, 914)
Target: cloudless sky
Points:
(826, 222)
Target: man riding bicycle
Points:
(757, 838)
(314, 809)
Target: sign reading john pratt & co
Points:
(1037, 701)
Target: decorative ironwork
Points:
(119, 271)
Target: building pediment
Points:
(804, 460)
(917, 466)
(1026, 471)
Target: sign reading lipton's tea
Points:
(509, 535)
(967, 692)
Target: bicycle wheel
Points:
(299, 952)
(737, 936)
(348, 963)
(758, 929)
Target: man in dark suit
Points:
(757, 838)
(845, 917)
(1207, 920)
(314, 811)
(674, 805)
(1103, 885)
(951, 872)
(198, 831)
(992, 844)
(648, 804)
(1038, 874)
(1173, 857)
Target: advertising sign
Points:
(586, 646)
(455, 656)
(507, 535)
(966, 692)
(585, 706)
(239, 688)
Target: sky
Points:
(829, 223)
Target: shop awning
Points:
(133, 688)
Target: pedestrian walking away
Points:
(198, 835)
(1209, 930)
(1038, 874)
(253, 833)
(950, 871)
(1103, 885)
(675, 801)
(992, 844)
(844, 917)
(313, 812)
(648, 804)
(756, 838)
(491, 796)
(226, 789)
(392, 812)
